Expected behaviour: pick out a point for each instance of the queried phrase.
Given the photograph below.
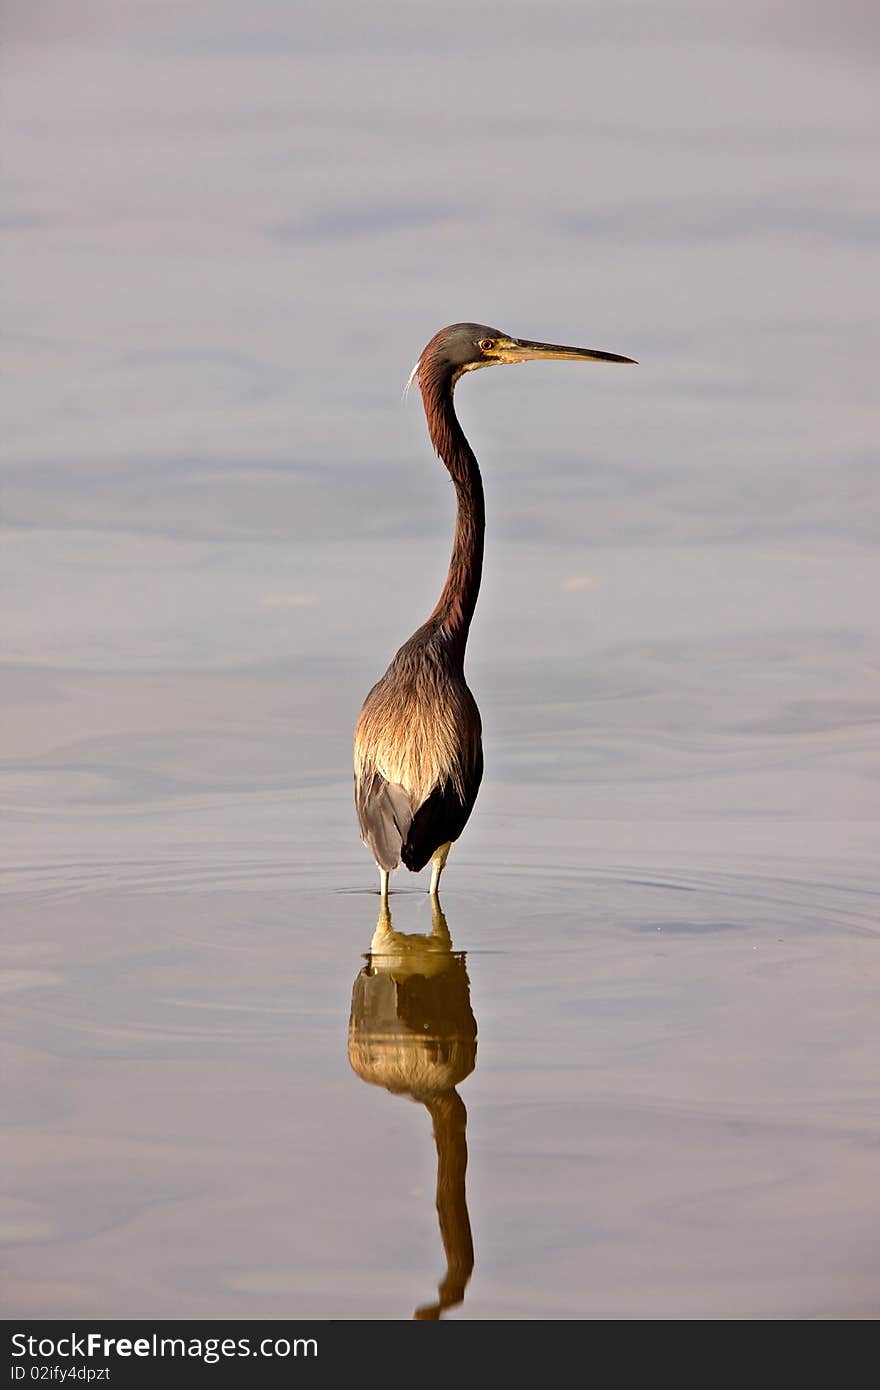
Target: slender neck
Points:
(450, 1136)
(455, 606)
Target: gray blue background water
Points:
(229, 231)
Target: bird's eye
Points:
(486, 344)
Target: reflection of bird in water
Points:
(418, 756)
(412, 1030)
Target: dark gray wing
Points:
(442, 817)
(385, 817)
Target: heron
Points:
(412, 1030)
(418, 755)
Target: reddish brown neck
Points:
(456, 604)
(450, 1135)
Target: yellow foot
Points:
(438, 863)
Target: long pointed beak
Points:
(522, 350)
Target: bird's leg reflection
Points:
(412, 1030)
(389, 944)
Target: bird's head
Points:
(464, 347)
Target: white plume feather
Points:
(412, 376)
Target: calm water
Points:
(635, 1063)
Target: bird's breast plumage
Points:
(419, 727)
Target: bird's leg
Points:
(384, 876)
(438, 864)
